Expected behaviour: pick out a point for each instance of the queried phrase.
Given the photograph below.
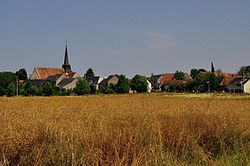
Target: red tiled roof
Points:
(166, 77)
(45, 72)
(227, 77)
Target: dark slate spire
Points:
(212, 67)
(66, 66)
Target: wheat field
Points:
(131, 129)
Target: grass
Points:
(141, 129)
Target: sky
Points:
(125, 36)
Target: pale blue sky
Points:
(125, 36)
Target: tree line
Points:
(200, 83)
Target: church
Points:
(62, 77)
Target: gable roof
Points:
(45, 72)
(167, 77)
(93, 79)
(37, 82)
(65, 82)
(239, 80)
(53, 78)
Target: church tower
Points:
(66, 66)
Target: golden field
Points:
(131, 129)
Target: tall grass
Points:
(125, 130)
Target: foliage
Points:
(21, 74)
(122, 85)
(194, 73)
(89, 73)
(31, 90)
(5, 79)
(139, 84)
(206, 82)
(92, 88)
(179, 75)
(244, 70)
(48, 89)
(82, 87)
(11, 89)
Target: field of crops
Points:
(132, 129)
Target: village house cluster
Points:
(67, 79)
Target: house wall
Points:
(72, 85)
(34, 75)
(247, 87)
(113, 80)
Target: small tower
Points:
(212, 67)
(66, 66)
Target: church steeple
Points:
(66, 66)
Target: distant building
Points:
(94, 80)
(60, 77)
(239, 84)
(112, 79)
(45, 72)
(155, 81)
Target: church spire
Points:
(66, 66)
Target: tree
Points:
(206, 82)
(122, 85)
(31, 90)
(212, 68)
(179, 75)
(244, 70)
(21, 74)
(89, 73)
(82, 87)
(11, 89)
(194, 73)
(139, 83)
(92, 88)
(48, 88)
(5, 79)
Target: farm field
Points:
(131, 129)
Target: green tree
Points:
(179, 75)
(5, 79)
(92, 88)
(21, 74)
(122, 85)
(206, 82)
(139, 83)
(48, 88)
(31, 90)
(244, 70)
(11, 89)
(194, 73)
(89, 73)
(82, 87)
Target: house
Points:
(240, 84)
(68, 83)
(149, 87)
(227, 78)
(94, 80)
(110, 80)
(170, 85)
(155, 81)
